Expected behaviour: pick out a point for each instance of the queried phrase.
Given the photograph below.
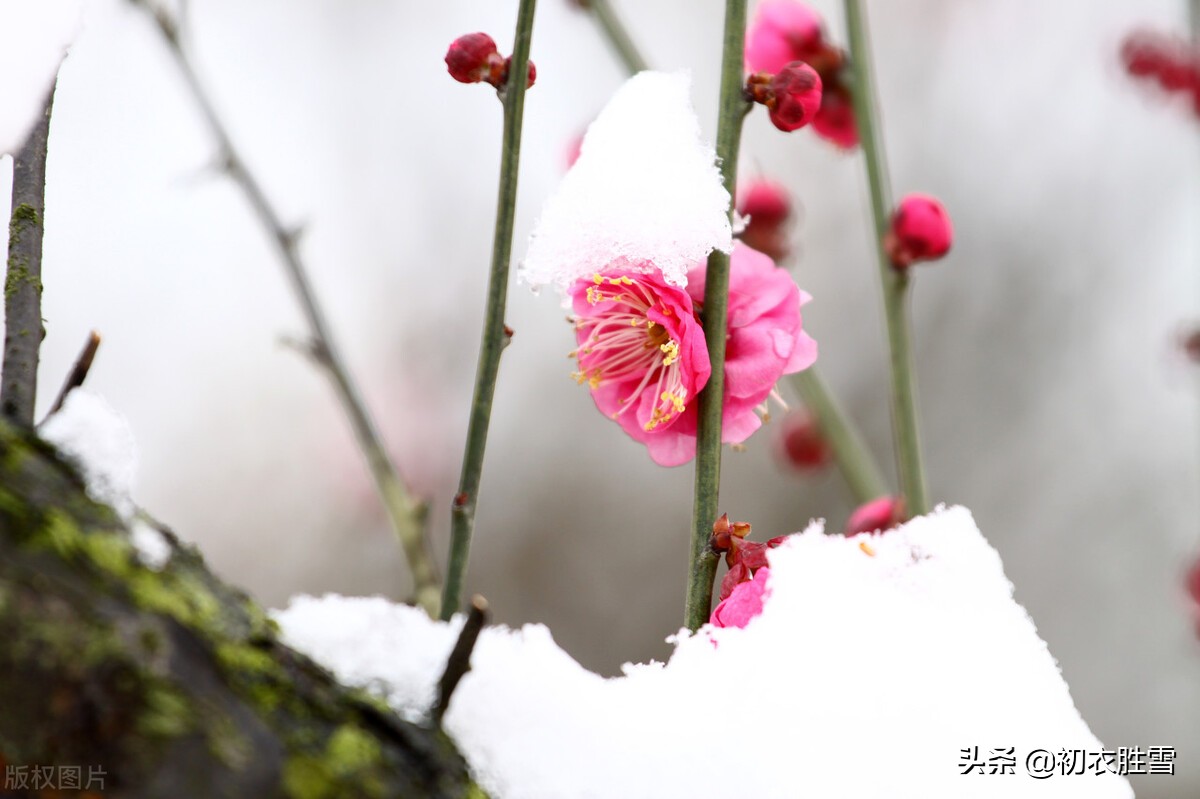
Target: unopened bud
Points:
(769, 209)
(835, 121)
(921, 231)
(792, 95)
(508, 65)
(879, 514)
(468, 57)
(801, 445)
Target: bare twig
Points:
(616, 34)
(896, 286)
(404, 510)
(459, 662)
(496, 334)
(23, 330)
(79, 372)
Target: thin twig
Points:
(617, 35)
(23, 330)
(459, 662)
(855, 461)
(895, 282)
(404, 510)
(79, 372)
(462, 516)
(733, 109)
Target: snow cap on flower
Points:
(34, 37)
(645, 192)
(744, 603)
(920, 231)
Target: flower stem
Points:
(406, 513)
(462, 519)
(617, 35)
(733, 109)
(895, 283)
(855, 461)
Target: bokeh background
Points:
(1053, 399)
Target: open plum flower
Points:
(640, 350)
(643, 354)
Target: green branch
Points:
(855, 461)
(462, 520)
(733, 109)
(617, 35)
(895, 282)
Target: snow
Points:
(870, 669)
(34, 35)
(646, 189)
(98, 440)
(152, 547)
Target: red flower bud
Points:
(801, 445)
(468, 56)
(796, 96)
(532, 73)
(879, 514)
(1192, 583)
(1142, 54)
(770, 208)
(921, 231)
(835, 120)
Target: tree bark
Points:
(170, 682)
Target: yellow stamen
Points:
(671, 350)
(865, 547)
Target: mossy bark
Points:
(172, 682)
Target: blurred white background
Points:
(1053, 403)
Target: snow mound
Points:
(99, 441)
(876, 661)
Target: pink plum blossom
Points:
(744, 603)
(641, 349)
(642, 353)
(766, 339)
